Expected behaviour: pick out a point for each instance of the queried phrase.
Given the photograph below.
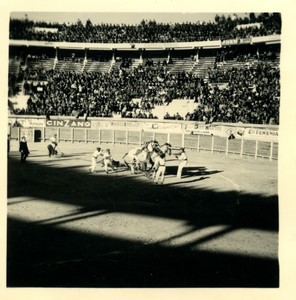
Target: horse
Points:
(165, 149)
(151, 145)
(137, 158)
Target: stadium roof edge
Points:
(272, 39)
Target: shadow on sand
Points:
(40, 254)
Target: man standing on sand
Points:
(183, 162)
(94, 158)
(24, 150)
(160, 167)
(108, 161)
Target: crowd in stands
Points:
(102, 95)
(222, 28)
(96, 94)
(226, 55)
(250, 96)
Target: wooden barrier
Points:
(200, 142)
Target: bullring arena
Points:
(211, 88)
(217, 226)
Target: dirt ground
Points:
(67, 227)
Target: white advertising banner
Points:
(199, 129)
(117, 125)
(237, 131)
(27, 123)
(162, 127)
(261, 133)
(249, 133)
(132, 125)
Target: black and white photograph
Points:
(144, 150)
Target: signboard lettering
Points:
(68, 123)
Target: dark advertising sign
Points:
(68, 123)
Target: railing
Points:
(198, 142)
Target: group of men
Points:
(158, 169)
(106, 160)
(106, 157)
(159, 166)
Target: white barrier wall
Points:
(247, 140)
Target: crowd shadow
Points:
(51, 256)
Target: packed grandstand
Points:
(228, 68)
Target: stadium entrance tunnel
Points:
(37, 135)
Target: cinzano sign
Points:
(68, 123)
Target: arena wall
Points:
(239, 139)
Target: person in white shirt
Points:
(159, 165)
(108, 161)
(54, 141)
(52, 151)
(94, 159)
(183, 162)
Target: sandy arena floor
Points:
(216, 227)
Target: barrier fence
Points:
(200, 142)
